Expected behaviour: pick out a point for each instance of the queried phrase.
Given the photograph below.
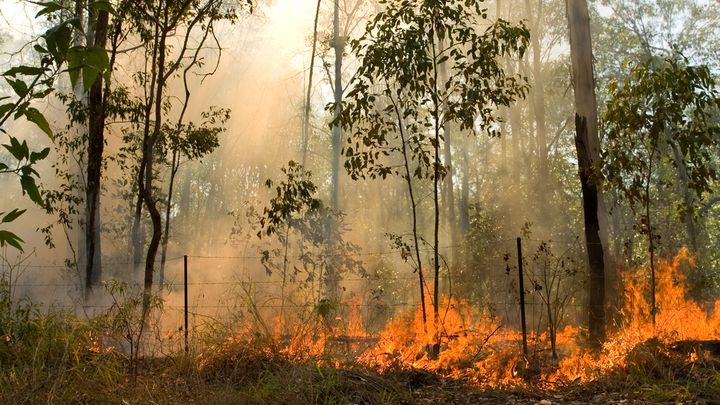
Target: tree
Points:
(157, 22)
(57, 54)
(97, 100)
(299, 221)
(338, 43)
(633, 32)
(191, 142)
(664, 113)
(397, 105)
(306, 106)
(588, 150)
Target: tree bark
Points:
(538, 91)
(148, 155)
(306, 113)
(96, 144)
(137, 233)
(588, 149)
(339, 45)
(688, 199)
(448, 181)
(464, 216)
(332, 277)
(596, 319)
(174, 166)
(413, 207)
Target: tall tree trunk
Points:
(184, 204)
(688, 199)
(96, 144)
(332, 277)
(436, 195)
(538, 91)
(339, 45)
(413, 205)
(306, 113)
(148, 157)
(588, 150)
(448, 182)
(516, 131)
(464, 206)
(174, 166)
(137, 233)
(78, 253)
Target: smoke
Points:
(261, 76)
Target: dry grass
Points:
(58, 358)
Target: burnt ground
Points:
(653, 375)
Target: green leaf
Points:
(103, 5)
(29, 187)
(97, 57)
(33, 115)
(37, 156)
(18, 86)
(12, 215)
(24, 70)
(95, 61)
(90, 75)
(58, 39)
(47, 7)
(11, 239)
(74, 61)
(18, 150)
(5, 108)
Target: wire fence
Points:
(224, 287)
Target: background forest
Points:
(330, 167)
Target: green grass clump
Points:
(53, 357)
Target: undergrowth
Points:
(58, 357)
(52, 357)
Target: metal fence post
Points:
(522, 296)
(185, 273)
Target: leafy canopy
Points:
(35, 82)
(424, 64)
(662, 105)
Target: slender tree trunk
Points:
(339, 45)
(464, 216)
(332, 277)
(651, 239)
(688, 199)
(137, 233)
(516, 131)
(148, 155)
(174, 166)
(413, 206)
(306, 114)
(436, 197)
(96, 144)
(184, 204)
(538, 93)
(588, 149)
(449, 183)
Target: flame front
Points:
(482, 350)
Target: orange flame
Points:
(480, 349)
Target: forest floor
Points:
(267, 379)
(273, 381)
(309, 385)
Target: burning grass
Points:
(321, 356)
